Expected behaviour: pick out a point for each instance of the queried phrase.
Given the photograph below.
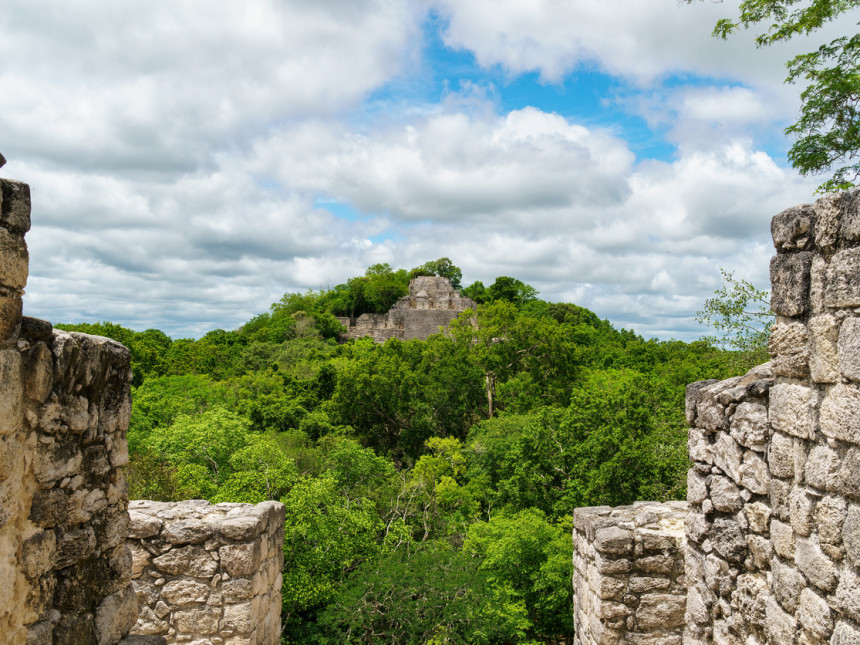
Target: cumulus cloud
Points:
(184, 161)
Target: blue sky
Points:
(191, 165)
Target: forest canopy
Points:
(415, 473)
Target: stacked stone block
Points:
(65, 573)
(773, 550)
(208, 574)
(629, 584)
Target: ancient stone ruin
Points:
(628, 573)
(65, 568)
(208, 574)
(432, 304)
(772, 548)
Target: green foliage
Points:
(428, 484)
(741, 314)
(829, 126)
(433, 594)
(443, 267)
(531, 559)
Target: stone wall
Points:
(432, 303)
(64, 409)
(774, 529)
(208, 574)
(628, 581)
(773, 532)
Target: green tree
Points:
(443, 267)
(828, 129)
(741, 315)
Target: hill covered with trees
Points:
(429, 485)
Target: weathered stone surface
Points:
(817, 567)
(754, 474)
(848, 348)
(187, 561)
(848, 593)
(801, 507)
(845, 634)
(725, 496)
(115, 616)
(822, 467)
(789, 347)
(789, 278)
(787, 584)
(828, 213)
(840, 413)
(38, 553)
(814, 615)
(781, 455)
(851, 534)
(660, 611)
(791, 230)
(824, 357)
(749, 425)
(789, 410)
(210, 582)
(15, 206)
(849, 474)
(841, 288)
(781, 627)
(13, 269)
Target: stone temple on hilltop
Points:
(432, 303)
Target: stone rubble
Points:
(208, 574)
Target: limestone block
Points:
(817, 282)
(10, 315)
(754, 474)
(814, 615)
(38, 372)
(115, 616)
(781, 627)
(15, 264)
(761, 550)
(849, 229)
(849, 474)
(11, 392)
(789, 410)
(787, 584)
(845, 634)
(749, 425)
(847, 595)
(698, 447)
(185, 591)
(758, 516)
(728, 456)
(660, 611)
(851, 534)
(801, 508)
(842, 289)
(750, 597)
(245, 527)
(789, 346)
(240, 559)
(817, 567)
(691, 396)
(789, 278)
(38, 552)
(792, 228)
(697, 489)
(781, 455)
(725, 496)
(198, 620)
(779, 494)
(728, 540)
(614, 540)
(142, 525)
(14, 206)
(782, 538)
(74, 546)
(828, 214)
(189, 560)
(848, 347)
(823, 357)
(190, 531)
(830, 513)
(822, 467)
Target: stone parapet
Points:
(14, 260)
(206, 573)
(629, 584)
(773, 550)
(64, 411)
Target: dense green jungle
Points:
(429, 485)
